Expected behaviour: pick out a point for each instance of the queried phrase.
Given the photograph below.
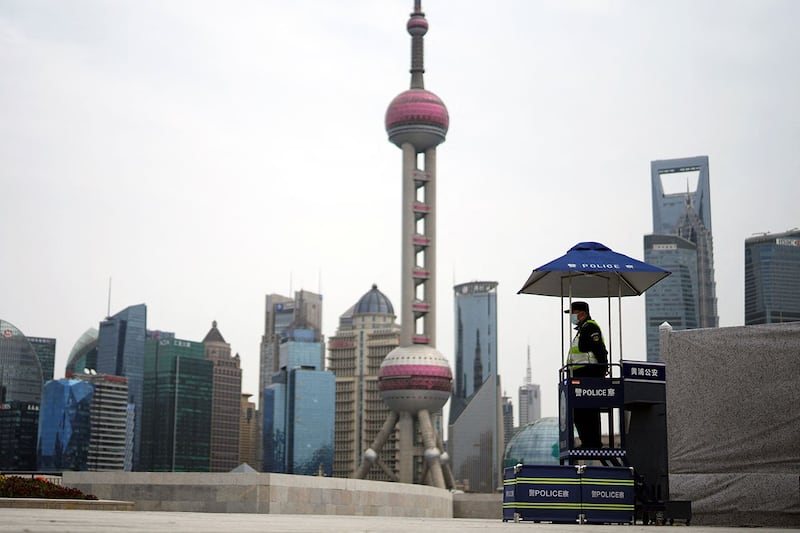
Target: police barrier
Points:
(568, 494)
(607, 494)
(544, 493)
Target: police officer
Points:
(589, 358)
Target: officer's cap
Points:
(578, 306)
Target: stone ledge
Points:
(63, 503)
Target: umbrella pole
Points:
(610, 321)
(619, 319)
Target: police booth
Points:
(627, 479)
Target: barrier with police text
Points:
(568, 494)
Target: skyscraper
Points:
(20, 394)
(226, 401)
(686, 215)
(299, 408)
(475, 439)
(508, 418)
(280, 312)
(65, 425)
(84, 353)
(120, 352)
(110, 438)
(772, 278)
(248, 431)
(176, 415)
(530, 402)
(367, 332)
(46, 352)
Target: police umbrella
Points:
(593, 270)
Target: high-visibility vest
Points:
(576, 356)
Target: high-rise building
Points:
(110, 438)
(120, 352)
(475, 437)
(65, 425)
(248, 431)
(508, 418)
(46, 352)
(20, 395)
(226, 401)
(280, 313)
(176, 413)
(772, 278)
(530, 402)
(674, 299)
(19, 425)
(367, 332)
(299, 408)
(83, 354)
(686, 215)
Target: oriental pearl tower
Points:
(415, 378)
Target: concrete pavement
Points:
(75, 521)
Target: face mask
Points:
(574, 319)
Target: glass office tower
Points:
(65, 425)
(673, 299)
(20, 393)
(46, 352)
(176, 414)
(83, 354)
(772, 278)
(475, 441)
(299, 407)
(686, 214)
(120, 352)
(311, 407)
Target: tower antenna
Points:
(108, 308)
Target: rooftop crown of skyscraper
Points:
(417, 116)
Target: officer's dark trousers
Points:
(587, 422)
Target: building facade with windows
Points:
(65, 425)
(476, 437)
(46, 352)
(20, 396)
(226, 401)
(299, 408)
(530, 401)
(176, 415)
(772, 278)
(367, 332)
(120, 352)
(686, 215)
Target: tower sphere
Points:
(418, 117)
(417, 25)
(412, 378)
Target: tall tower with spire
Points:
(682, 243)
(530, 402)
(415, 379)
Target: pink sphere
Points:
(418, 117)
(412, 378)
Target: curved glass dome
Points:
(20, 370)
(373, 302)
(534, 444)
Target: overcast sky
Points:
(204, 153)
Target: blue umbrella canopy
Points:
(593, 270)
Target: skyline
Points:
(202, 156)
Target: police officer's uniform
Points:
(589, 358)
